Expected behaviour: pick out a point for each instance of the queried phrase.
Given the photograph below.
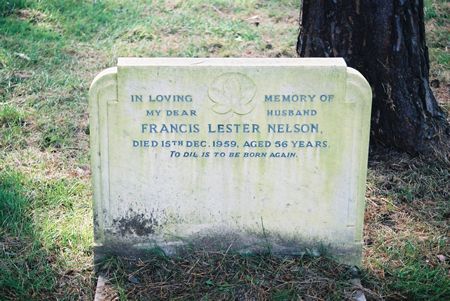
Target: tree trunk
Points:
(385, 41)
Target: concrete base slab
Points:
(104, 291)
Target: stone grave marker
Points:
(247, 154)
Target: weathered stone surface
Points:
(256, 154)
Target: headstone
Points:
(244, 154)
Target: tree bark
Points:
(385, 41)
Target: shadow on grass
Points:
(25, 270)
(29, 270)
(406, 224)
(200, 275)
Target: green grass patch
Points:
(441, 57)
(419, 281)
(9, 6)
(14, 206)
(10, 117)
(43, 235)
(429, 10)
(12, 122)
(24, 269)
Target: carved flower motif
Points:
(232, 92)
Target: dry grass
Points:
(199, 275)
(406, 224)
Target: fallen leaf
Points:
(441, 258)
(22, 56)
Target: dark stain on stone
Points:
(96, 224)
(139, 224)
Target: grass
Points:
(49, 53)
(223, 276)
(44, 246)
(406, 223)
(437, 14)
